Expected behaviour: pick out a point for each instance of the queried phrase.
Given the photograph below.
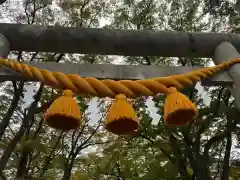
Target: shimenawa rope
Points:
(110, 88)
(122, 119)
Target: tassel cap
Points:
(178, 108)
(121, 118)
(63, 113)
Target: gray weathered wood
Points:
(6, 74)
(116, 72)
(4, 46)
(224, 52)
(114, 42)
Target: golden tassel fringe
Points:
(178, 109)
(63, 113)
(121, 118)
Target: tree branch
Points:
(179, 159)
(196, 162)
(2, 1)
(30, 112)
(163, 151)
(50, 156)
(205, 123)
(225, 170)
(218, 137)
(5, 121)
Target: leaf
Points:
(128, 2)
(32, 144)
(80, 175)
(175, 6)
(83, 160)
(190, 171)
(164, 145)
(86, 14)
(235, 172)
(58, 162)
(3, 145)
(50, 175)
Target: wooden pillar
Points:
(4, 46)
(224, 52)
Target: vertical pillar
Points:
(4, 46)
(224, 52)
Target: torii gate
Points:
(35, 38)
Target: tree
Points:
(2, 1)
(199, 150)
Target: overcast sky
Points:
(14, 8)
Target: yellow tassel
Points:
(121, 118)
(178, 109)
(63, 113)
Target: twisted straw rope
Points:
(109, 88)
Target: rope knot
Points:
(172, 90)
(121, 97)
(68, 93)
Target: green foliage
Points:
(235, 172)
(155, 151)
(32, 144)
(79, 176)
(59, 162)
(82, 103)
(3, 145)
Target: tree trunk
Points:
(2, 1)
(67, 173)
(199, 169)
(22, 171)
(225, 170)
(69, 165)
(4, 123)
(49, 158)
(179, 159)
(8, 151)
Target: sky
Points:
(93, 110)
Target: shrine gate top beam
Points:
(35, 38)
